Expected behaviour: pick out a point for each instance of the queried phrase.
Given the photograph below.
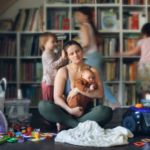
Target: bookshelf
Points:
(70, 7)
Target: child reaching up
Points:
(143, 76)
(51, 62)
(85, 83)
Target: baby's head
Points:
(88, 75)
(47, 41)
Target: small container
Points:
(146, 103)
(17, 107)
(19, 120)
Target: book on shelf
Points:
(11, 91)
(31, 71)
(110, 45)
(130, 42)
(149, 15)
(148, 2)
(134, 2)
(108, 1)
(29, 20)
(115, 90)
(129, 95)
(56, 18)
(107, 20)
(111, 68)
(8, 70)
(57, 1)
(130, 71)
(83, 1)
(133, 20)
(7, 47)
(34, 93)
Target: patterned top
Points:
(51, 62)
(145, 50)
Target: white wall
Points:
(12, 11)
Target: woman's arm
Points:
(84, 31)
(99, 93)
(59, 86)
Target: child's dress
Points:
(143, 76)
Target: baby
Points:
(85, 83)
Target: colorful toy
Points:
(145, 140)
(137, 120)
(16, 128)
(29, 129)
(4, 139)
(139, 144)
(10, 134)
(20, 141)
(37, 136)
(139, 106)
(24, 131)
(12, 140)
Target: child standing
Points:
(51, 63)
(143, 76)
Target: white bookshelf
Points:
(120, 32)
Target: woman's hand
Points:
(72, 93)
(77, 111)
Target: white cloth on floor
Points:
(89, 133)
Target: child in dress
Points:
(143, 76)
(51, 62)
(85, 83)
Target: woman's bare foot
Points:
(116, 105)
(61, 127)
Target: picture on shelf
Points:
(108, 20)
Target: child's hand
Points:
(63, 55)
(92, 88)
(117, 54)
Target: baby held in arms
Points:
(85, 83)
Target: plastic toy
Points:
(37, 136)
(29, 129)
(145, 140)
(139, 144)
(20, 141)
(4, 139)
(139, 106)
(12, 140)
(10, 134)
(137, 120)
(24, 131)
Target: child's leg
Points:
(47, 91)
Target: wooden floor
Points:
(49, 144)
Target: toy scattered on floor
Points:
(34, 135)
(137, 119)
(139, 144)
(145, 140)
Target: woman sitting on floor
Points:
(66, 76)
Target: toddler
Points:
(85, 83)
(51, 62)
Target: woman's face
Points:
(75, 54)
(80, 17)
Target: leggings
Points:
(54, 113)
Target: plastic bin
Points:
(17, 107)
(145, 102)
(26, 119)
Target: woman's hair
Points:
(44, 38)
(88, 12)
(70, 43)
(146, 29)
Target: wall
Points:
(12, 11)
